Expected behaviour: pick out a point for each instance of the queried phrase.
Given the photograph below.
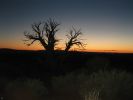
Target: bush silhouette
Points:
(102, 85)
(111, 85)
(30, 89)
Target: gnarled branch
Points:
(74, 39)
(44, 32)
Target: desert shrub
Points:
(97, 63)
(101, 85)
(67, 87)
(111, 85)
(29, 89)
(3, 82)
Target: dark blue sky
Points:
(98, 19)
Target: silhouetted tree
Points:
(44, 32)
(73, 39)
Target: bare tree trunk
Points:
(43, 44)
(44, 32)
(67, 48)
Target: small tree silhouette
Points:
(73, 39)
(44, 32)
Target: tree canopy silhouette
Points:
(44, 32)
(74, 39)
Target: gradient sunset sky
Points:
(107, 25)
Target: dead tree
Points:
(74, 39)
(44, 32)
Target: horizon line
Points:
(98, 51)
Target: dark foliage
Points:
(16, 63)
(65, 74)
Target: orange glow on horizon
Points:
(90, 47)
(34, 47)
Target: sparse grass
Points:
(92, 95)
(112, 85)
(102, 85)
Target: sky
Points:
(107, 25)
